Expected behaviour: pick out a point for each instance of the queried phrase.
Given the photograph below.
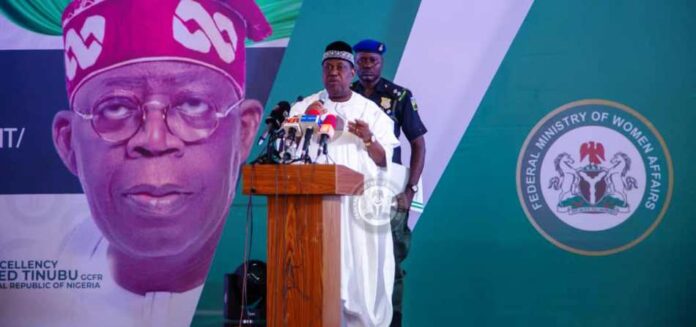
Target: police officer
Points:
(399, 104)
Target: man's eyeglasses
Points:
(118, 118)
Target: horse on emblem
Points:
(567, 179)
(618, 182)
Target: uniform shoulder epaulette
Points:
(403, 92)
(394, 89)
(397, 90)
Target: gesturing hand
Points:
(360, 129)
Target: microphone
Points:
(275, 119)
(326, 132)
(309, 121)
(291, 126)
(294, 125)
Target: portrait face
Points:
(157, 147)
(337, 75)
(369, 66)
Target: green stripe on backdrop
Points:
(44, 16)
(487, 265)
(319, 23)
(38, 16)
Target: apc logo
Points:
(594, 177)
(210, 31)
(82, 50)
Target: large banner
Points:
(110, 215)
(557, 182)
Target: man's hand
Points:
(404, 199)
(374, 149)
(361, 130)
(318, 106)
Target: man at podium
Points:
(364, 145)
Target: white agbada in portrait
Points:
(367, 256)
(75, 244)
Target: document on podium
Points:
(394, 180)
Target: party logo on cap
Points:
(83, 49)
(209, 32)
(594, 177)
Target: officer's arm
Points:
(414, 130)
(417, 159)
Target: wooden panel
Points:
(303, 261)
(301, 179)
(331, 252)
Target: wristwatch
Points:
(412, 187)
(373, 139)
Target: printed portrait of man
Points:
(156, 131)
(157, 128)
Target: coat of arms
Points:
(598, 186)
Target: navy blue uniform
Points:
(398, 103)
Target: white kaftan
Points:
(367, 256)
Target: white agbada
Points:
(367, 255)
(79, 247)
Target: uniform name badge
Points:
(385, 103)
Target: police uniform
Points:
(398, 103)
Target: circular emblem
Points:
(377, 205)
(594, 177)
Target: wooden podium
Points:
(304, 239)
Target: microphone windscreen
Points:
(284, 105)
(329, 120)
(313, 112)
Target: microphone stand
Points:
(271, 155)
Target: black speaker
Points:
(255, 309)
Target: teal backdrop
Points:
(476, 259)
(319, 23)
(486, 265)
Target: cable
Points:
(248, 237)
(330, 160)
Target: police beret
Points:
(369, 45)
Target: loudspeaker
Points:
(254, 312)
